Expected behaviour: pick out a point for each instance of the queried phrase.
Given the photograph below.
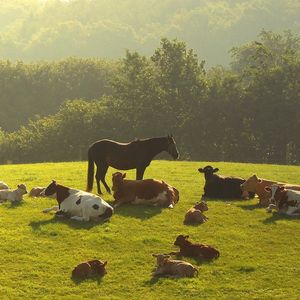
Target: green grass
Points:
(259, 251)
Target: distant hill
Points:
(41, 30)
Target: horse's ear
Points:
(124, 175)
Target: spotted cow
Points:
(77, 204)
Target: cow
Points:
(77, 204)
(257, 185)
(14, 196)
(283, 200)
(198, 251)
(147, 191)
(3, 186)
(195, 214)
(173, 268)
(89, 269)
(217, 186)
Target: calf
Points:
(89, 269)
(195, 214)
(3, 186)
(173, 268)
(198, 251)
(77, 204)
(147, 191)
(39, 192)
(285, 201)
(258, 186)
(217, 186)
(13, 195)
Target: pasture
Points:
(259, 251)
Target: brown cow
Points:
(147, 191)
(195, 214)
(173, 268)
(89, 269)
(258, 185)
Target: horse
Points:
(137, 154)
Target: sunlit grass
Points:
(259, 251)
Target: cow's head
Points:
(117, 179)
(161, 259)
(50, 189)
(208, 170)
(274, 190)
(22, 188)
(98, 267)
(202, 206)
(181, 240)
(171, 147)
(250, 184)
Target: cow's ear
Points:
(268, 189)
(154, 255)
(215, 170)
(281, 188)
(53, 181)
(105, 263)
(186, 236)
(124, 175)
(201, 170)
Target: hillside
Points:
(38, 251)
(34, 29)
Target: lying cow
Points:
(283, 200)
(147, 191)
(13, 195)
(77, 204)
(173, 268)
(217, 186)
(258, 185)
(89, 269)
(3, 186)
(38, 192)
(198, 251)
(195, 214)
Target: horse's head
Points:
(171, 148)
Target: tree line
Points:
(249, 112)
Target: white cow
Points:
(13, 195)
(77, 204)
(284, 200)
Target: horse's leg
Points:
(140, 172)
(102, 174)
(98, 177)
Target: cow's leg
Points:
(55, 208)
(140, 172)
(101, 176)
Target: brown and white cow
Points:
(147, 191)
(283, 200)
(77, 204)
(258, 185)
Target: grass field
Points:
(260, 252)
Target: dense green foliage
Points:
(259, 251)
(248, 113)
(54, 29)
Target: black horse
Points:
(124, 156)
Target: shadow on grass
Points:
(78, 281)
(12, 204)
(250, 206)
(142, 212)
(276, 217)
(36, 225)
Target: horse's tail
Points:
(90, 174)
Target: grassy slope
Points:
(259, 251)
